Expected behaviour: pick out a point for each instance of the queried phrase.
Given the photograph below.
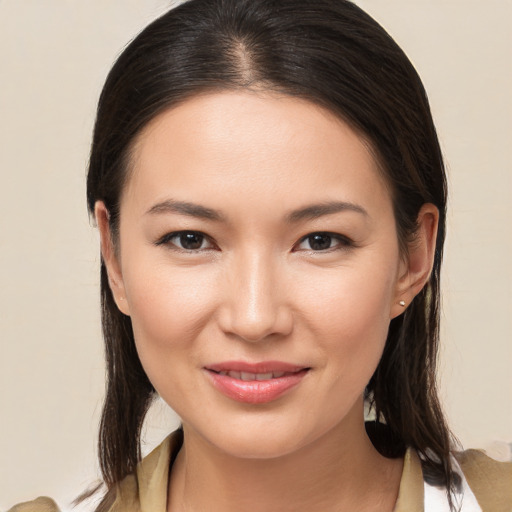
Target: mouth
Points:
(255, 383)
(248, 376)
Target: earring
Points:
(402, 303)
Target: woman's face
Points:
(259, 264)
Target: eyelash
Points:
(166, 240)
(344, 242)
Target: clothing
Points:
(489, 480)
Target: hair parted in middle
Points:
(330, 53)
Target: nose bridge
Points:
(256, 300)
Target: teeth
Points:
(264, 376)
(247, 376)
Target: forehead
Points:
(251, 145)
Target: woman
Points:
(271, 197)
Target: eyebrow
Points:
(314, 211)
(186, 208)
(309, 212)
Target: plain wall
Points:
(54, 57)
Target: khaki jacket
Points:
(146, 490)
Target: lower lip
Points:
(255, 391)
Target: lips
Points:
(255, 383)
(248, 376)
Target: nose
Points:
(256, 301)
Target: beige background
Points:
(54, 56)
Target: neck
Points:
(339, 471)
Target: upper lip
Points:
(261, 367)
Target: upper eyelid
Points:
(338, 236)
(327, 233)
(164, 239)
(347, 241)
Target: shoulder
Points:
(42, 504)
(490, 480)
(146, 488)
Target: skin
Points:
(256, 289)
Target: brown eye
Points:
(320, 242)
(191, 241)
(185, 240)
(324, 242)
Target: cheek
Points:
(169, 307)
(347, 302)
(348, 311)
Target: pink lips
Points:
(256, 383)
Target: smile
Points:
(246, 376)
(255, 383)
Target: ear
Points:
(110, 257)
(417, 265)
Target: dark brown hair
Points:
(333, 54)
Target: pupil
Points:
(320, 242)
(191, 241)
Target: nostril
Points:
(253, 303)
(253, 328)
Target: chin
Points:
(253, 437)
(264, 445)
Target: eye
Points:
(319, 242)
(189, 241)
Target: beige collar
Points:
(148, 491)
(410, 494)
